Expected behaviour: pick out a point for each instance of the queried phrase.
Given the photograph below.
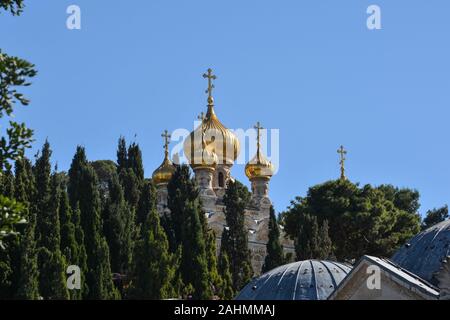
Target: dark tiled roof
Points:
(423, 255)
(302, 280)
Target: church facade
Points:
(211, 150)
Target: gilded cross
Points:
(166, 137)
(210, 76)
(342, 152)
(258, 128)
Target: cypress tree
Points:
(147, 202)
(28, 287)
(153, 266)
(226, 291)
(274, 256)
(235, 243)
(122, 156)
(51, 264)
(81, 256)
(186, 228)
(313, 242)
(211, 255)
(194, 264)
(83, 192)
(135, 161)
(118, 227)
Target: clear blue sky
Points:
(310, 68)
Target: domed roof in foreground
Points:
(423, 255)
(302, 280)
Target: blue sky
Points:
(310, 68)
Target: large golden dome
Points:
(164, 172)
(218, 138)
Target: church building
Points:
(211, 150)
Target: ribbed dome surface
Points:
(302, 280)
(219, 140)
(424, 254)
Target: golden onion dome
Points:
(221, 141)
(259, 166)
(204, 158)
(164, 172)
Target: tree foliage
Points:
(274, 257)
(435, 216)
(361, 220)
(234, 237)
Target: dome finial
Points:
(166, 137)
(258, 128)
(342, 152)
(210, 76)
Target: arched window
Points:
(221, 182)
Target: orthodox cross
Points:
(342, 152)
(258, 128)
(210, 76)
(166, 137)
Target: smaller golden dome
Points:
(164, 172)
(259, 166)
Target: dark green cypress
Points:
(154, 267)
(186, 228)
(194, 264)
(122, 155)
(51, 264)
(147, 202)
(274, 256)
(119, 227)
(235, 244)
(83, 190)
(226, 290)
(135, 161)
(28, 286)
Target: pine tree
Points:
(235, 243)
(84, 193)
(274, 256)
(153, 266)
(119, 227)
